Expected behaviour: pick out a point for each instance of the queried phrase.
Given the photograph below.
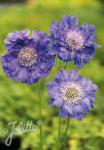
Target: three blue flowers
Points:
(31, 56)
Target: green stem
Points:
(65, 134)
(40, 116)
(65, 65)
(59, 134)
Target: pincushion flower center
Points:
(27, 57)
(74, 40)
(72, 93)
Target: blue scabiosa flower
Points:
(71, 92)
(73, 42)
(27, 58)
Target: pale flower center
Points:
(74, 40)
(72, 93)
(27, 57)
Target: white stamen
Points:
(71, 93)
(27, 57)
(74, 40)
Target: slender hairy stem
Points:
(59, 134)
(40, 116)
(65, 135)
(65, 65)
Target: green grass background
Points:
(20, 102)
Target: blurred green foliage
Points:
(20, 102)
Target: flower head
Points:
(71, 92)
(28, 56)
(73, 42)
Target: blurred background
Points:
(19, 102)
